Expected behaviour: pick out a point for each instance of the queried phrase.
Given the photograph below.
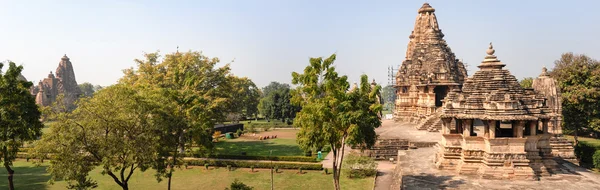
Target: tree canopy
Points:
(333, 115)
(19, 116)
(194, 94)
(578, 77)
(245, 98)
(115, 130)
(275, 102)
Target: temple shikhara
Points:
(429, 71)
(52, 86)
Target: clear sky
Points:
(268, 39)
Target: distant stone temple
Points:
(548, 87)
(429, 71)
(495, 128)
(52, 86)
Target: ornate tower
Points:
(429, 71)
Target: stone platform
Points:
(416, 170)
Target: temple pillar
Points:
(544, 126)
(486, 129)
(446, 125)
(467, 127)
(519, 129)
(492, 129)
(532, 128)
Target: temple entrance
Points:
(440, 94)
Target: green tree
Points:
(245, 98)
(87, 89)
(526, 82)
(115, 130)
(333, 115)
(193, 93)
(19, 116)
(275, 102)
(578, 77)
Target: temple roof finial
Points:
(491, 50)
(426, 8)
(544, 72)
(65, 57)
(490, 59)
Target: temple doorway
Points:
(440, 94)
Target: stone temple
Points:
(429, 71)
(514, 141)
(52, 86)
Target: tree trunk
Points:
(11, 173)
(575, 136)
(336, 177)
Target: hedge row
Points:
(248, 164)
(273, 158)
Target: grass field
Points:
(284, 145)
(32, 177)
(590, 141)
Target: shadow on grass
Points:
(26, 177)
(280, 147)
(428, 181)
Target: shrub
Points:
(276, 169)
(273, 158)
(326, 149)
(251, 128)
(252, 168)
(300, 170)
(247, 164)
(596, 159)
(267, 127)
(206, 166)
(359, 166)
(239, 132)
(584, 152)
(238, 185)
(228, 167)
(325, 171)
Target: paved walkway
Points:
(418, 172)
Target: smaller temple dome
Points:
(50, 75)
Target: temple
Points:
(52, 86)
(495, 128)
(430, 70)
(547, 86)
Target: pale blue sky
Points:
(270, 39)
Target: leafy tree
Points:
(526, 82)
(389, 97)
(276, 104)
(333, 115)
(19, 116)
(114, 130)
(87, 89)
(578, 77)
(193, 93)
(245, 98)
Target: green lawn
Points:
(279, 146)
(590, 141)
(28, 176)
